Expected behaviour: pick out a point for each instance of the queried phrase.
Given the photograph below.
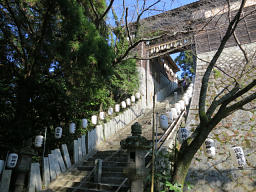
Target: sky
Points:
(163, 5)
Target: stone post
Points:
(136, 146)
(98, 170)
(23, 167)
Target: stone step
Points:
(112, 180)
(106, 163)
(110, 153)
(73, 177)
(114, 174)
(85, 168)
(111, 169)
(77, 189)
(76, 172)
(119, 159)
(105, 186)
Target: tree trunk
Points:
(187, 152)
(23, 107)
(182, 165)
(181, 171)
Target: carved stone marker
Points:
(52, 167)
(98, 170)
(5, 181)
(35, 182)
(75, 151)
(83, 146)
(60, 160)
(80, 155)
(46, 171)
(57, 166)
(66, 155)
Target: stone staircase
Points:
(82, 177)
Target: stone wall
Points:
(105, 131)
(238, 129)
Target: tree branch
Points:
(25, 17)
(241, 92)
(224, 72)
(106, 11)
(20, 34)
(120, 58)
(142, 12)
(126, 25)
(218, 102)
(205, 80)
(94, 9)
(235, 36)
(241, 103)
(158, 55)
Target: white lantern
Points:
(183, 134)
(102, 115)
(209, 148)
(110, 111)
(84, 123)
(174, 113)
(186, 100)
(237, 154)
(12, 160)
(128, 101)
(182, 105)
(189, 92)
(1, 166)
(72, 128)
(163, 121)
(123, 104)
(178, 108)
(58, 132)
(94, 119)
(137, 95)
(133, 99)
(39, 141)
(117, 108)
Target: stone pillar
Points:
(136, 146)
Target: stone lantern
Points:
(137, 146)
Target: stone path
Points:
(146, 122)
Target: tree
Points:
(238, 94)
(186, 63)
(56, 66)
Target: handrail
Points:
(160, 138)
(167, 132)
(124, 181)
(92, 171)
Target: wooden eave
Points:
(175, 68)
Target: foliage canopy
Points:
(56, 66)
